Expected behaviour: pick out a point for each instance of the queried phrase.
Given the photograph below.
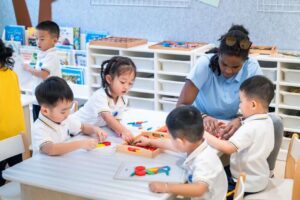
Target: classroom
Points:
(149, 99)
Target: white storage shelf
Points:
(174, 66)
(291, 122)
(141, 102)
(170, 87)
(143, 64)
(143, 84)
(270, 73)
(167, 106)
(291, 75)
(290, 99)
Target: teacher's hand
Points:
(230, 128)
(211, 125)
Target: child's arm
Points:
(184, 189)
(52, 149)
(159, 143)
(221, 145)
(116, 126)
(89, 129)
(43, 74)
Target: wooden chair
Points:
(288, 188)
(239, 190)
(10, 147)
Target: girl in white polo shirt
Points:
(253, 142)
(106, 105)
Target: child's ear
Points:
(44, 110)
(253, 104)
(108, 78)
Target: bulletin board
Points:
(154, 3)
(289, 6)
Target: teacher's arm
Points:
(188, 94)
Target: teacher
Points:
(213, 83)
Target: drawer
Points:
(291, 75)
(289, 121)
(143, 64)
(141, 102)
(175, 66)
(100, 58)
(143, 83)
(291, 99)
(167, 106)
(270, 73)
(170, 86)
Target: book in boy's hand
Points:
(15, 33)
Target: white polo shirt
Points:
(254, 141)
(203, 165)
(45, 130)
(47, 60)
(99, 102)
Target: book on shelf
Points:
(31, 39)
(79, 58)
(91, 35)
(73, 74)
(70, 36)
(65, 57)
(15, 33)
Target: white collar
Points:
(48, 122)
(196, 152)
(256, 117)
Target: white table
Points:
(88, 175)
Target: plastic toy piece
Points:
(103, 144)
(142, 171)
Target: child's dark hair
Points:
(185, 122)
(238, 32)
(114, 67)
(53, 90)
(6, 60)
(49, 26)
(259, 87)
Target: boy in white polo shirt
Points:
(206, 179)
(47, 60)
(52, 130)
(253, 142)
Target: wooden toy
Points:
(179, 46)
(124, 42)
(148, 151)
(103, 144)
(162, 129)
(263, 50)
(142, 171)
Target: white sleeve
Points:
(204, 172)
(39, 136)
(100, 102)
(242, 138)
(51, 64)
(74, 124)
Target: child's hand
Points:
(159, 187)
(127, 136)
(142, 141)
(89, 144)
(26, 67)
(101, 134)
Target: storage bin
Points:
(167, 106)
(175, 66)
(99, 58)
(291, 75)
(141, 102)
(143, 64)
(270, 73)
(291, 99)
(141, 83)
(290, 121)
(170, 86)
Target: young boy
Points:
(54, 128)
(205, 174)
(48, 60)
(253, 142)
